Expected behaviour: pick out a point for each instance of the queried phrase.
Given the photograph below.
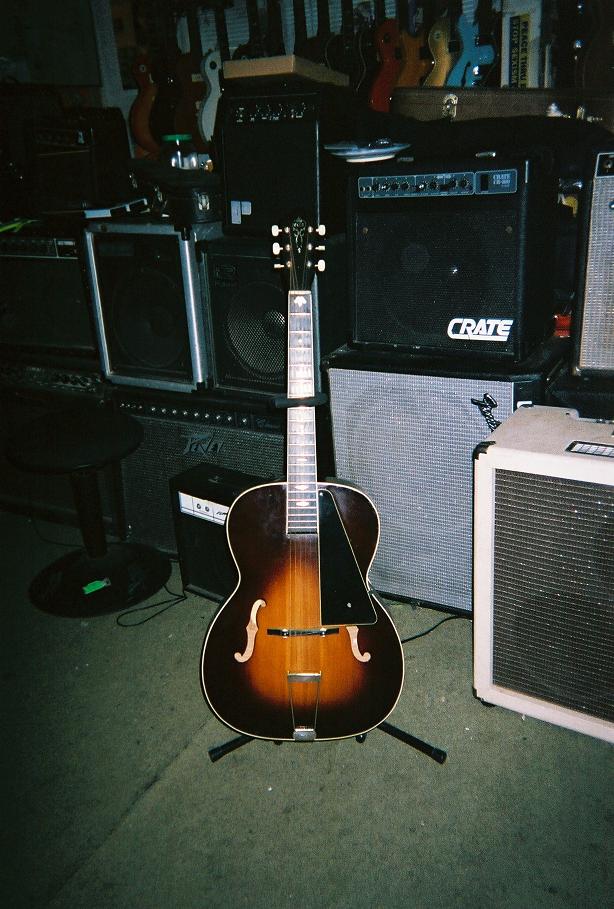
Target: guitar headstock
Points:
(295, 251)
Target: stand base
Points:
(430, 750)
(79, 585)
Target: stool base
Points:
(78, 585)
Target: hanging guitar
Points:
(388, 45)
(192, 87)
(211, 68)
(440, 42)
(477, 53)
(302, 650)
(140, 110)
(416, 60)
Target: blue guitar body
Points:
(475, 58)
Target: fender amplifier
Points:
(404, 430)
(453, 257)
(544, 569)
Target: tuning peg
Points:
(320, 265)
(275, 230)
(321, 230)
(277, 248)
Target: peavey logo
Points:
(481, 330)
(202, 445)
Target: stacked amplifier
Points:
(452, 299)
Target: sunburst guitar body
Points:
(302, 650)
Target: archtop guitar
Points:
(302, 650)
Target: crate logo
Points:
(462, 329)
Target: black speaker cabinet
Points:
(453, 257)
(45, 302)
(201, 498)
(246, 300)
(544, 569)
(182, 431)
(273, 161)
(146, 287)
(594, 318)
(404, 430)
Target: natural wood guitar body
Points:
(266, 684)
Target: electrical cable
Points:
(421, 634)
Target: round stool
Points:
(102, 577)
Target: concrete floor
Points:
(111, 799)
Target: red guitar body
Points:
(140, 112)
(388, 45)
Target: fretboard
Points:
(302, 505)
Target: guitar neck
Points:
(323, 19)
(274, 35)
(194, 33)
(221, 31)
(300, 22)
(255, 32)
(302, 501)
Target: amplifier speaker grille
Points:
(595, 330)
(551, 628)
(171, 446)
(407, 440)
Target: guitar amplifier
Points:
(544, 569)
(79, 158)
(201, 498)
(453, 257)
(594, 316)
(404, 429)
(146, 286)
(182, 431)
(45, 303)
(273, 162)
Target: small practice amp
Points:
(594, 322)
(453, 257)
(273, 161)
(201, 498)
(544, 569)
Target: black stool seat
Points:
(75, 439)
(101, 577)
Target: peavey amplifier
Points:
(544, 569)
(594, 321)
(453, 257)
(182, 431)
(404, 430)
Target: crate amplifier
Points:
(453, 257)
(594, 321)
(180, 432)
(146, 286)
(544, 569)
(404, 431)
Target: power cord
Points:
(165, 604)
(421, 634)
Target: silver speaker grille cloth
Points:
(597, 330)
(407, 441)
(553, 607)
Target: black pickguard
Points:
(344, 597)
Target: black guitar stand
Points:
(430, 750)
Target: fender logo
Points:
(482, 330)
